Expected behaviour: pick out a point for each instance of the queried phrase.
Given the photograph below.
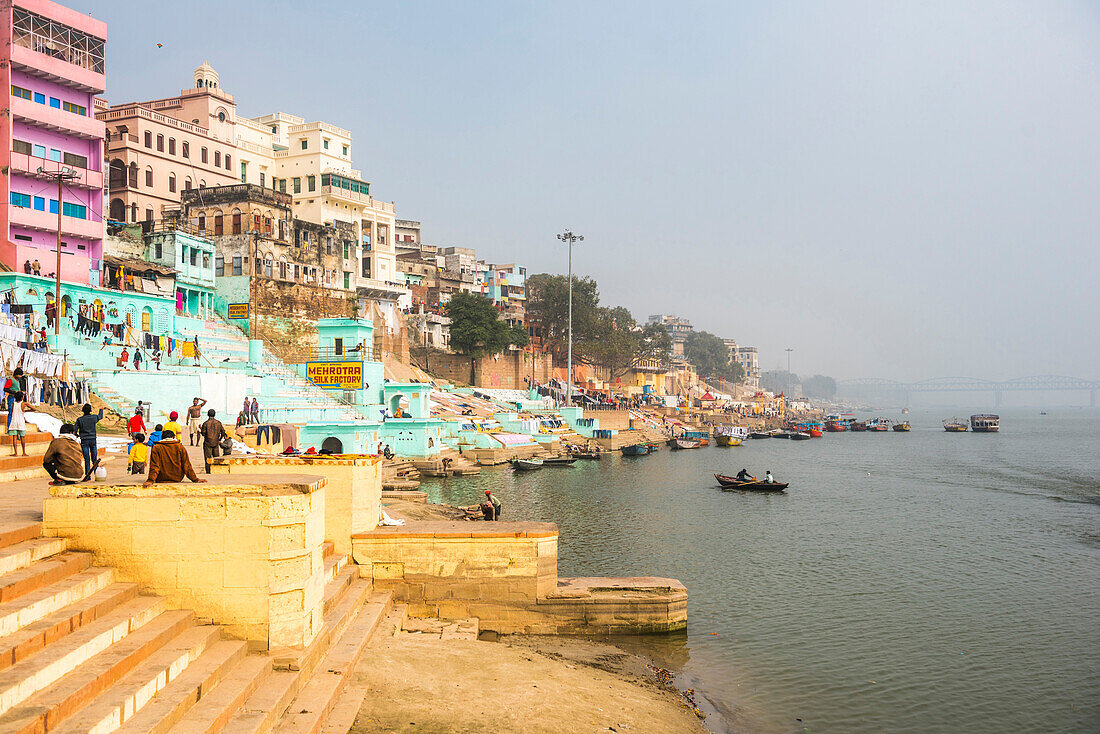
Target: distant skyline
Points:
(893, 190)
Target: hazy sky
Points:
(900, 190)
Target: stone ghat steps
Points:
(81, 653)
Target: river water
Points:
(922, 582)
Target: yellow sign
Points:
(336, 375)
(237, 310)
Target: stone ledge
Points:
(299, 460)
(266, 486)
(449, 529)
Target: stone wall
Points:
(353, 489)
(506, 371)
(245, 555)
(505, 574)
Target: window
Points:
(297, 185)
(39, 98)
(160, 143)
(183, 254)
(20, 146)
(345, 150)
(171, 146)
(311, 183)
(305, 143)
(237, 269)
(23, 200)
(259, 266)
(76, 211)
(219, 265)
(158, 248)
(172, 182)
(217, 158)
(40, 151)
(202, 223)
(218, 224)
(267, 267)
(149, 177)
(53, 206)
(20, 92)
(328, 245)
(203, 155)
(55, 103)
(194, 256)
(75, 109)
(79, 161)
(228, 162)
(24, 238)
(148, 139)
(40, 203)
(325, 143)
(55, 155)
(236, 222)
(346, 249)
(347, 280)
(261, 179)
(274, 131)
(256, 222)
(186, 149)
(282, 185)
(244, 172)
(187, 184)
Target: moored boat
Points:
(760, 434)
(559, 461)
(527, 464)
(638, 449)
(681, 444)
(985, 423)
(902, 427)
(878, 424)
(723, 440)
(954, 426)
(859, 426)
(799, 436)
(729, 482)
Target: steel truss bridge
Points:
(1037, 383)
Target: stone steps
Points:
(83, 654)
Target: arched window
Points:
(187, 184)
(172, 182)
(218, 224)
(160, 143)
(256, 227)
(202, 222)
(236, 221)
(282, 269)
(171, 146)
(203, 154)
(217, 158)
(202, 183)
(228, 162)
(118, 174)
(148, 177)
(118, 210)
(267, 267)
(267, 225)
(148, 214)
(133, 175)
(186, 149)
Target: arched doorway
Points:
(146, 319)
(66, 304)
(399, 404)
(117, 174)
(118, 210)
(332, 445)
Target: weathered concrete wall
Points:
(246, 556)
(353, 492)
(506, 575)
(507, 371)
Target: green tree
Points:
(476, 329)
(654, 342)
(612, 342)
(548, 310)
(709, 354)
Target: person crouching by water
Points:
(63, 460)
(168, 462)
(491, 507)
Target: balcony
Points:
(128, 111)
(56, 120)
(44, 221)
(28, 165)
(56, 70)
(366, 200)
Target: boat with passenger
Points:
(902, 427)
(527, 464)
(750, 485)
(681, 444)
(954, 426)
(985, 423)
(878, 424)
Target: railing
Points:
(360, 353)
(297, 415)
(135, 110)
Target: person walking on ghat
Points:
(213, 433)
(86, 430)
(17, 424)
(136, 424)
(194, 418)
(255, 411)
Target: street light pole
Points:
(789, 350)
(568, 236)
(62, 175)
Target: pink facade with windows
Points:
(53, 67)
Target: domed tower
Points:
(206, 77)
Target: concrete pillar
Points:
(255, 351)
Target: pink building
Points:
(51, 60)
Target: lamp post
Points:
(789, 350)
(568, 236)
(62, 175)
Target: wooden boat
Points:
(527, 464)
(781, 434)
(759, 434)
(638, 449)
(878, 424)
(559, 461)
(722, 440)
(815, 433)
(859, 426)
(593, 455)
(681, 444)
(728, 482)
(836, 426)
(902, 427)
(954, 426)
(799, 436)
(985, 423)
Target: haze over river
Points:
(922, 582)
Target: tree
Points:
(655, 343)
(776, 381)
(819, 386)
(548, 308)
(611, 343)
(709, 354)
(476, 329)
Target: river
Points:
(921, 582)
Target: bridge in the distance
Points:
(874, 387)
